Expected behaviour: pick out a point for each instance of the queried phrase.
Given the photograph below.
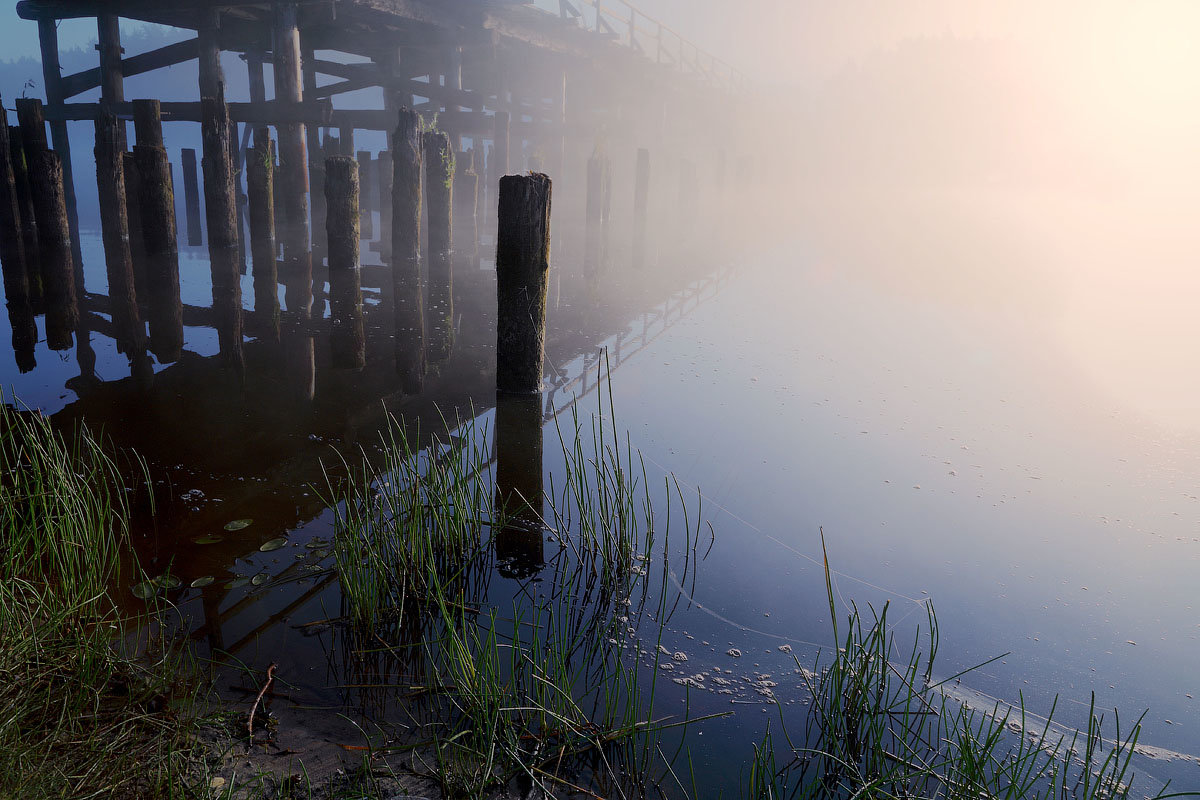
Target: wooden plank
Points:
(317, 112)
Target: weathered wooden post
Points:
(500, 147)
(54, 247)
(385, 206)
(439, 193)
(366, 224)
(112, 74)
(522, 268)
(687, 194)
(24, 335)
(482, 170)
(606, 215)
(593, 218)
(33, 272)
(641, 197)
(191, 198)
(52, 79)
(293, 162)
(466, 196)
(133, 213)
(347, 337)
(220, 207)
(519, 485)
(260, 180)
(12, 244)
(407, 290)
(156, 199)
(114, 225)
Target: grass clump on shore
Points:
(81, 715)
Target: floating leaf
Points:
(167, 581)
(238, 524)
(208, 539)
(237, 582)
(260, 579)
(145, 590)
(200, 583)
(317, 543)
(274, 544)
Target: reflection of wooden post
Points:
(407, 166)
(220, 206)
(157, 201)
(293, 162)
(54, 246)
(342, 200)
(439, 193)
(366, 226)
(191, 198)
(12, 247)
(33, 272)
(114, 224)
(518, 432)
(641, 196)
(24, 335)
(260, 178)
(522, 266)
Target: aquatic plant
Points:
(82, 706)
(882, 727)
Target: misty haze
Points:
(600, 398)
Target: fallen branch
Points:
(257, 700)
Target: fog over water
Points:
(955, 329)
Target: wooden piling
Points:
(293, 162)
(500, 148)
(641, 197)
(520, 542)
(220, 210)
(385, 206)
(366, 225)
(33, 272)
(522, 267)
(260, 178)
(24, 335)
(593, 218)
(52, 79)
(133, 213)
(114, 225)
(439, 194)
(191, 198)
(54, 247)
(156, 198)
(408, 158)
(342, 201)
(466, 225)
(12, 244)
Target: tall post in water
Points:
(519, 485)
(385, 206)
(260, 182)
(439, 193)
(366, 227)
(312, 137)
(500, 148)
(52, 79)
(342, 192)
(133, 212)
(112, 73)
(641, 197)
(220, 207)
(12, 245)
(407, 290)
(33, 272)
(466, 226)
(522, 269)
(191, 198)
(293, 189)
(593, 218)
(156, 198)
(54, 247)
(114, 224)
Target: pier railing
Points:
(626, 25)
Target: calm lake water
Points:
(933, 383)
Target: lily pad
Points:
(145, 590)
(200, 583)
(274, 544)
(260, 579)
(237, 582)
(208, 539)
(316, 543)
(167, 581)
(238, 524)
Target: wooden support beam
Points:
(318, 112)
(166, 56)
